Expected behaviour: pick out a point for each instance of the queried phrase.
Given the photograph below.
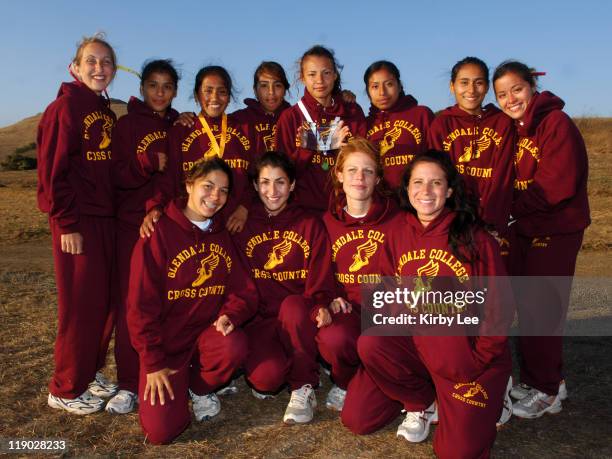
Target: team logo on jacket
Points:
(526, 144)
(211, 149)
(425, 274)
(389, 139)
(107, 127)
(471, 393)
(205, 271)
(363, 255)
(278, 253)
(540, 242)
(269, 142)
(470, 153)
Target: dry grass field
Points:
(250, 428)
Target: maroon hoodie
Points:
(482, 149)
(188, 145)
(313, 182)
(260, 124)
(288, 255)
(399, 133)
(137, 139)
(415, 250)
(182, 279)
(74, 157)
(357, 245)
(550, 195)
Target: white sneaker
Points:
(506, 413)
(301, 405)
(520, 391)
(102, 387)
(86, 403)
(122, 403)
(562, 390)
(535, 404)
(335, 398)
(260, 396)
(206, 406)
(230, 389)
(415, 427)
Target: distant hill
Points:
(24, 132)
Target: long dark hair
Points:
(466, 221)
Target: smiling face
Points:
(158, 90)
(319, 77)
(274, 188)
(358, 176)
(213, 96)
(96, 68)
(428, 190)
(470, 88)
(207, 195)
(513, 94)
(270, 92)
(384, 89)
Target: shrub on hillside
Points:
(18, 161)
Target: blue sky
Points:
(424, 38)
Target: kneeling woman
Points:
(289, 256)
(412, 372)
(184, 309)
(357, 225)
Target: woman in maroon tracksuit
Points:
(212, 134)
(357, 225)
(311, 131)
(480, 141)
(550, 212)
(188, 293)
(396, 123)
(74, 188)
(140, 143)
(288, 252)
(261, 114)
(459, 380)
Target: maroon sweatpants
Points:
(541, 357)
(338, 346)
(283, 349)
(396, 375)
(85, 319)
(216, 359)
(126, 357)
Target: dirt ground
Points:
(250, 428)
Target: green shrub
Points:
(18, 162)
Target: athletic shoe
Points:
(122, 403)
(520, 391)
(260, 396)
(83, 404)
(206, 406)
(506, 413)
(535, 404)
(415, 427)
(102, 387)
(230, 389)
(562, 390)
(301, 405)
(335, 398)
